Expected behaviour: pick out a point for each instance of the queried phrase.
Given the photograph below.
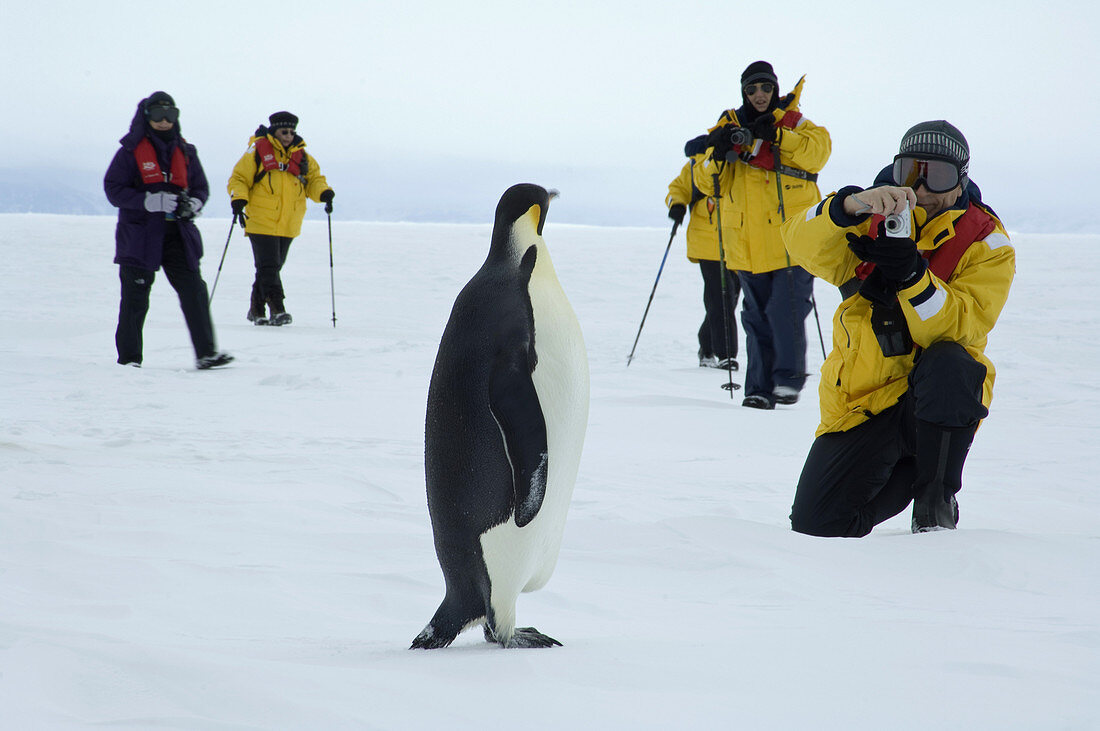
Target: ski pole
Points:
(214, 289)
(820, 337)
(675, 225)
(331, 274)
(730, 385)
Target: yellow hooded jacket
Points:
(750, 203)
(277, 201)
(702, 228)
(857, 380)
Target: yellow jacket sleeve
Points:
(679, 190)
(806, 147)
(240, 180)
(315, 181)
(816, 241)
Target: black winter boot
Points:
(257, 309)
(279, 315)
(941, 453)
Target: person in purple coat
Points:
(158, 185)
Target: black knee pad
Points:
(946, 386)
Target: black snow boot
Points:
(257, 310)
(279, 315)
(941, 453)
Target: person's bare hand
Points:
(885, 200)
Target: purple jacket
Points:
(139, 234)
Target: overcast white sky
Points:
(421, 100)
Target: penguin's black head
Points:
(518, 200)
(514, 205)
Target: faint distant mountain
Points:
(77, 192)
(463, 191)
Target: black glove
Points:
(676, 212)
(238, 204)
(764, 128)
(326, 198)
(720, 140)
(187, 207)
(898, 260)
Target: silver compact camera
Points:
(899, 225)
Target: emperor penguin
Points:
(506, 416)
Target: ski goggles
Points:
(750, 90)
(161, 113)
(938, 176)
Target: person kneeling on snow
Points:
(907, 381)
(269, 186)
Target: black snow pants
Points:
(712, 339)
(856, 479)
(269, 254)
(134, 303)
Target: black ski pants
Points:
(773, 313)
(856, 479)
(269, 254)
(134, 303)
(712, 338)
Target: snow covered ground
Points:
(250, 548)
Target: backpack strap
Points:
(972, 226)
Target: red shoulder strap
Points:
(146, 158)
(974, 225)
(266, 154)
(178, 175)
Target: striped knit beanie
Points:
(938, 140)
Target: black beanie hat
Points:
(158, 99)
(937, 139)
(758, 71)
(282, 119)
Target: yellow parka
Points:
(702, 228)
(277, 201)
(857, 380)
(750, 202)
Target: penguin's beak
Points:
(553, 193)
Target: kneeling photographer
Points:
(907, 381)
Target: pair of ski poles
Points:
(730, 386)
(331, 269)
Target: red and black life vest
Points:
(765, 157)
(267, 162)
(973, 225)
(149, 166)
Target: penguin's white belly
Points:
(522, 559)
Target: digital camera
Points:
(899, 225)
(740, 136)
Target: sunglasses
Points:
(750, 90)
(161, 113)
(938, 176)
(284, 131)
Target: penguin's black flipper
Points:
(515, 406)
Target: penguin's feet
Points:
(521, 637)
(428, 639)
(531, 637)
